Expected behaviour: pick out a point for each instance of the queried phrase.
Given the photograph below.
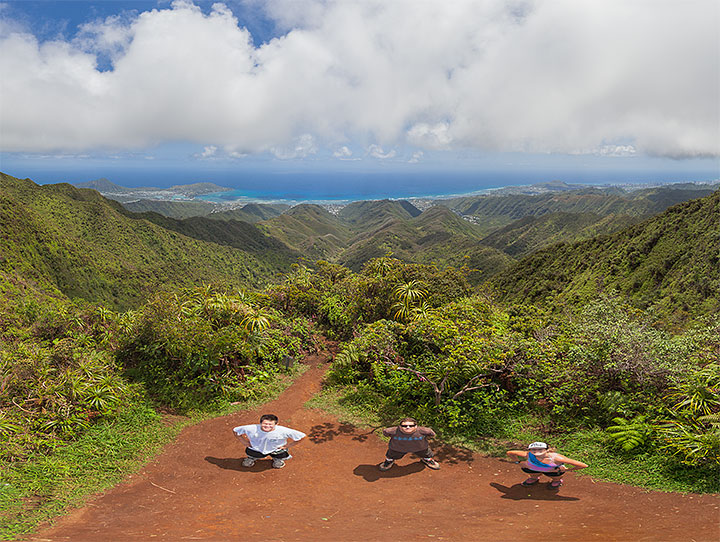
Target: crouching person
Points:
(409, 438)
(542, 460)
(267, 439)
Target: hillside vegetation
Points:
(531, 233)
(86, 246)
(169, 208)
(591, 200)
(669, 263)
(311, 230)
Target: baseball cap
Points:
(537, 446)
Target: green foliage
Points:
(630, 434)
(76, 242)
(192, 349)
(341, 301)
(52, 394)
(692, 431)
(668, 263)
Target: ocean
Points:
(345, 187)
(341, 187)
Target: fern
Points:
(630, 434)
(348, 356)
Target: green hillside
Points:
(86, 246)
(591, 200)
(173, 209)
(436, 236)
(670, 262)
(310, 229)
(531, 233)
(232, 233)
(252, 212)
(371, 214)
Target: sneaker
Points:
(278, 463)
(555, 484)
(385, 465)
(248, 462)
(431, 463)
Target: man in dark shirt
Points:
(408, 438)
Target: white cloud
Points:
(302, 147)
(617, 150)
(434, 136)
(552, 76)
(343, 153)
(208, 152)
(376, 151)
(416, 157)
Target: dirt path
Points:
(332, 491)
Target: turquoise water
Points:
(353, 187)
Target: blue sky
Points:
(140, 91)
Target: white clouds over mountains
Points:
(558, 76)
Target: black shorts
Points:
(530, 471)
(427, 453)
(277, 454)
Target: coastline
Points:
(422, 202)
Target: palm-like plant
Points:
(409, 295)
(381, 267)
(411, 291)
(701, 395)
(694, 433)
(256, 320)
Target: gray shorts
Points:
(427, 453)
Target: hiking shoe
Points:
(248, 462)
(431, 463)
(278, 463)
(385, 465)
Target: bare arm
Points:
(243, 438)
(289, 443)
(518, 454)
(567, 461)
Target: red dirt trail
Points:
(331, 490)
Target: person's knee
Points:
(284, 454)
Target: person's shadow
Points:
(319, 434)
(371, 473)
(234, 463)
(538, 492)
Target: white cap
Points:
(537, 446)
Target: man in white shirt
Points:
(267, 439)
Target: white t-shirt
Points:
(268, 441)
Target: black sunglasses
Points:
(411, 425)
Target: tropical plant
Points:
(630, 434)
(257, 319)
(409, 295)
(692, 431)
